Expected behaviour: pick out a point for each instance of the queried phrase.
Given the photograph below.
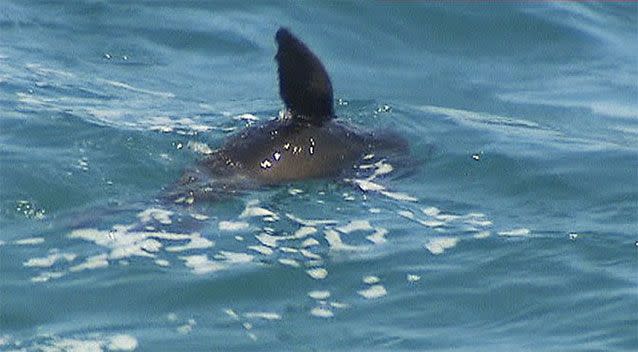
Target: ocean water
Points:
(513, 227)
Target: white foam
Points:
(447, 217)
(139, 90)
(263, 315)
(482, 234)
(252, 210)
(355, 225)
(160, 215)
(104, 114)
(294, 191)
(374, 291)
(141, 247)
(406, 214)
(303, 232)
(162, 262)
(246, 117)
(166, 124)
(75, 345)
(427, 223)
(94, 343)
(231, 313)
(94, 262)
(261, 249)
(310, 255)
(382, 168)
(478, 222)
(200, 264)
(366, 185)
(378, 237)
(289, 262)
(234, 257)
(431, 211)
(48, 261)
(232, 225)
(371, 280)
(317, 273)
(336, 244)
(313, 263)
(338, 305)
(32, 241)
(268, 240)
(439, 245)
(200, 217)
(413, 278)
(144, 244)
(185, 200)
(310, 222)
(199, 147)
(47, 275)
(321, 312)
(309, 243)
(195, 242)
(165, 235)
(319, 295)
(187, 328)
(399, 196)
(288, 250)
(122, 343)
(430, 223)
(520, 232)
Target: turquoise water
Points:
(513, 228)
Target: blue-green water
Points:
(514, 228)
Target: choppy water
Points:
(515, 229)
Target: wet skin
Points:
(307, 143)
(284, 151)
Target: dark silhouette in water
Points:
(306, 143)
(304, 84)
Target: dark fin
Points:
(304, 84)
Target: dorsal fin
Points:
(304, 85)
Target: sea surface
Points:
(513, 227)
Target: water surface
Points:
(513, 229)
